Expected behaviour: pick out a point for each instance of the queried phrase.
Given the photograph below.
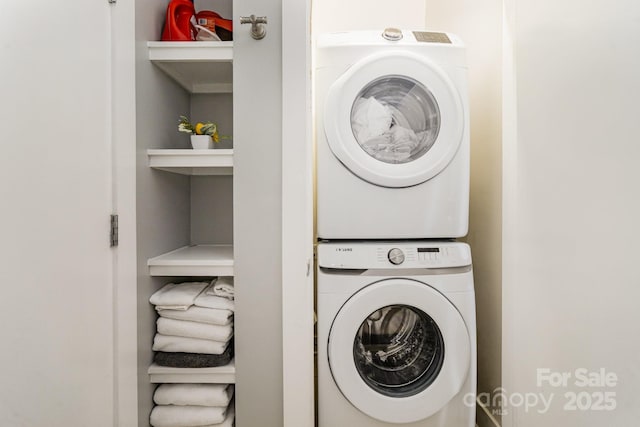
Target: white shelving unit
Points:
(197, 260)
(199, 67)
(193, 162)
(219, 375)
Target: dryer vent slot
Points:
(428, 37)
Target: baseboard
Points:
(484, 418)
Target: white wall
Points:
(479, 24)
(351, 15)
(298, 384)
(572, 203)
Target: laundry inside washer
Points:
(398, 350)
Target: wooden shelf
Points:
(199, 67)
(197, 260)
(218, 375)
(193, 162)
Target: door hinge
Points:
(114, 231)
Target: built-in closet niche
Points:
(211, 213)
(184, 196)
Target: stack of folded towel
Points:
(181, 405)
(195, 327)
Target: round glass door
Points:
(398, 350)
(395, 119)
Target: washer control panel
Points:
(384, 255)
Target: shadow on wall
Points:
(366, 15)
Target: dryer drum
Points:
(395, 119)
(398, 350)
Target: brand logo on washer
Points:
(344, 249)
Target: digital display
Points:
(428, 250)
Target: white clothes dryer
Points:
(396, 334)
(392, 135)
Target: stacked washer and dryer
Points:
(396, 303)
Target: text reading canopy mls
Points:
(394, 119)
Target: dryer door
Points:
(399, 351)
(394, 120)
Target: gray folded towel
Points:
(193, 360)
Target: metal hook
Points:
(258, 30)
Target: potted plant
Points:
(203, 135)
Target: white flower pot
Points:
(201, 142)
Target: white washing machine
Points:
(392, 135)
(396, 334)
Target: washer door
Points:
(394, 120)
(399, 350)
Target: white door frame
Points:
(123, 135)
(297, 216)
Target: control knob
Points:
(396, 256)
(392, 34)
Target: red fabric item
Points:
(177, 24)
(223, 27)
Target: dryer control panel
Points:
(384, 255)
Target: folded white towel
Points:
(213, 316)
(223, 287)
(181, 416)
(185, 328)
(229, 420)
(209, 289)
(214, 301)
(172, 344)
(194, 394)
(177, 296)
